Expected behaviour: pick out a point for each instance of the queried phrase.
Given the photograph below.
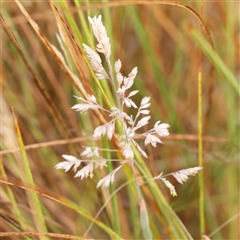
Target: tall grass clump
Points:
(129, 126)
(124, 138)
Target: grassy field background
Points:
(169, 48)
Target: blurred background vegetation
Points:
(159, 40)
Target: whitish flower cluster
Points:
(87, 171)
(131, 125)
(181, 176)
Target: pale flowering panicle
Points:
(94, 58)
(139, 148)
(129, 102)
(83, 107)
(128, 81)
(132, 93)
(117, 67)
(142, 122)
(182, 175)
(145, 102)
(74, 163)
(128, 152)
(130, 133)
(106, 129)
(130, 124)
(152, 139)
(144, 111)
(161, 129)
(105, 182)
(128, 118)
(92, 99)
(96, 63)
(115, 112)
(90, 152)
(100, 33)
(86, 171)
(70, 162)
(124, 83)
(121, 91)
(169, 186)
(100, 164)
(110, 129)
(118, 114)
(100, 131)
(87, 152)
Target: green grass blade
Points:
(164, 90)
(147, 234)
(116, 218)
(216, 60)
(175, 227)
(33, 197)
(13, 201)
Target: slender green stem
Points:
(200, 132)
(200, 154)
(116, 217)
